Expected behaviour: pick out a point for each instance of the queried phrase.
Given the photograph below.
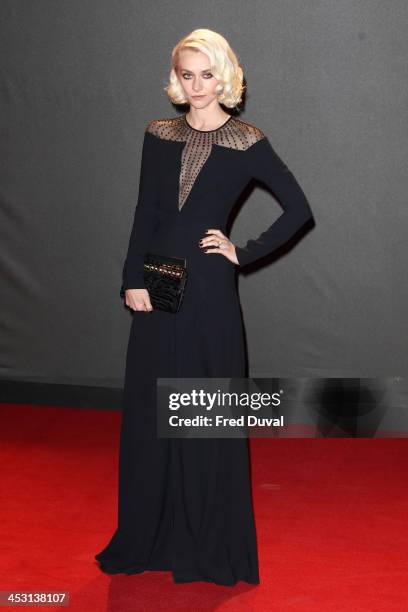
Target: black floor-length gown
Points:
(185, 505)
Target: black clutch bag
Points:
(165, 279)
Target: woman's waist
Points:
(184, 219)
(182, 235)
(185, 245)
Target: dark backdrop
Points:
(326, 82)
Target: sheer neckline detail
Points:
(198, 145)
(234, 133)
(206, 131)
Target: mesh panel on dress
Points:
(234, 134)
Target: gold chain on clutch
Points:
(169, 269)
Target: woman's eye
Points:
(208, 75)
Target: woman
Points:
(185, 504)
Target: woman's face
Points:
(196, 79)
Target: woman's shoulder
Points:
(252, 132)
(165, 128)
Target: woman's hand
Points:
(138, 299)
(220, 244)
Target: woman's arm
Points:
(263, 164)
(145, 217)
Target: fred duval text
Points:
(221, 421)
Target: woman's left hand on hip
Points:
(216, 242)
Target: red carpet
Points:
(331, 520)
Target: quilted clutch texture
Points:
(165, 280)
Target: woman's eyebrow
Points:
(206, 70)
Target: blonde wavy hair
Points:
(224, 66)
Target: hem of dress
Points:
(179, 576)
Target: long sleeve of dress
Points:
(145, 218)
(264, 164)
